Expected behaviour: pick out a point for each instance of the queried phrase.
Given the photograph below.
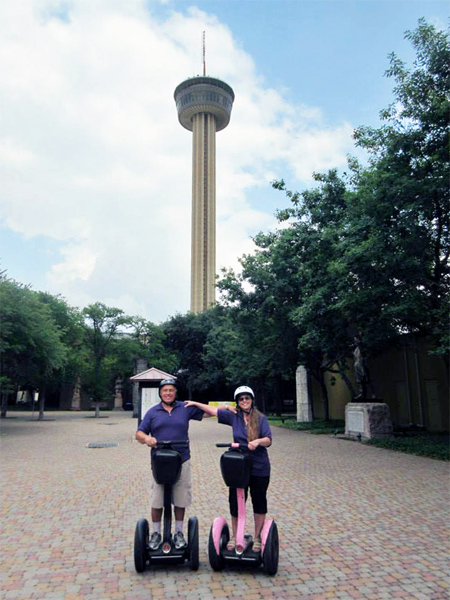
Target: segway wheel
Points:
(216, 560)
(270, 557)
(141, 537)
(193, 543)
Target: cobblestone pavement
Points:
(354, 521)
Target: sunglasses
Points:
(244, 398)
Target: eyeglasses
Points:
(244, 398)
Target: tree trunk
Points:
(446, 366)
(310, 384)
(277, 396)
(325, 402)
(4, 404)
(319, 375)
(344, 376)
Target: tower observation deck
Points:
(204, 106)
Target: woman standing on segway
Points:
(169, 420)
(250, 427)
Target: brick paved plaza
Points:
(354, 521)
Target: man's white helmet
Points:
(243, 389)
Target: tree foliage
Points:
(365, 253)
(102, 326)
(31, 344)
(153, 345)
(405, 195)
(200, 361)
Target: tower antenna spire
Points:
(204, 55)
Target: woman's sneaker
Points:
(231, 545)
(179, 540)
(155, 540)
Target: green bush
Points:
(433, 445)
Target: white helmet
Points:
(243, 389)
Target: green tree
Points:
(366, 253)
(379, 267)
(70, 324)
(290, 314)
(31, 345)
(191, 338)
(152, 340)
(404, 194)
(260, 338)
(102, 327)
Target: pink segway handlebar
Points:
(229, 445)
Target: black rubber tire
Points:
(193, 543)
(141, 537)
(271, 551)
(216, 560)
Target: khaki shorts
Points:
(181, 492)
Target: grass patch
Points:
(316, 427)
(432, 445)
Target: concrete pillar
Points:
(304, 409)
(118, 400)
(140, 365)
(76, 398)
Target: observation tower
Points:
(204, 107)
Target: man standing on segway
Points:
(169, 420)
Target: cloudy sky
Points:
(95, 197)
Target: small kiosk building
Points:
(148, 382)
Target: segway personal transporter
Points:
(166, 467)
(236, 466)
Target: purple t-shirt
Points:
(261, 463)
(163, 425)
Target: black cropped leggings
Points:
(258, 491)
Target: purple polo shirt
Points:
(163, 425)
(261, 463)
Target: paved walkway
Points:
(354, 521)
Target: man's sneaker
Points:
(155, 540)
(179, 541)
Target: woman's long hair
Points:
(253, 424)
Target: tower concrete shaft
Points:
(204, 107)
(203, 242)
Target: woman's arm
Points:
(265, 441)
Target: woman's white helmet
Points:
(243, 389)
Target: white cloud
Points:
(13, 155)
(92, 154)
(79, 263)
